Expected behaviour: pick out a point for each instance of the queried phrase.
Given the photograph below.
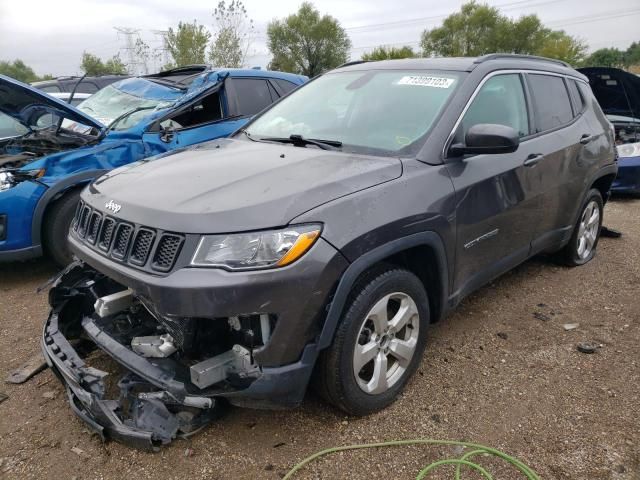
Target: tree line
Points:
(309, 43)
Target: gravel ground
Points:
(501, 371)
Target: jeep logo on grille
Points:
(113, 206)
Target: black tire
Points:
(335, 379)
(570, 255)
(55, 227)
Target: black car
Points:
(85, 85)
(321, 240)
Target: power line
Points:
(592, 18)
(505, 6)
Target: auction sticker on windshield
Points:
(424, 81)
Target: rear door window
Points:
(551, 101)
(252, 95)
(501, 101)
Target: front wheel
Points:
(56, 225)
(582, 246)
(378, 344)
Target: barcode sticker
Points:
(424, 81)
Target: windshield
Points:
(10, 127)
(110, 103)
(384, 110)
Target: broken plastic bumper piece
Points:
(144, 378)
(153, 417)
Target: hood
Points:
(617, 91)
(235, 185)
(27, 104)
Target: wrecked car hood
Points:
(234, 185)
(26, 104)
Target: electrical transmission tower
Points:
(135, 64)
(161, 52)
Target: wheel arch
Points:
(603, 184)
(406, 252)
(53, 193)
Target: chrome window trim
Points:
(447, 144)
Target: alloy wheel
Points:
(386, 343)
(588, 229)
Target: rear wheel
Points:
(582, 246)
(378, 344)
(56, 225)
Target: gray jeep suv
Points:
(321, 240)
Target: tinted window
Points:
(501, 101)
(576, 97)
(551, 99)
(87, 87)
(252, 95)
(50, 89)
(274, 93)
(284, 85)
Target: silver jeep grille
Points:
(124, 242)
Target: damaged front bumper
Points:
(149, 401)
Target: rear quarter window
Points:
(576, 97)
(551, 101)
(285, 85)
(50, 89)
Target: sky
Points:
(50, 36)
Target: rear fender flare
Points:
(364, 262)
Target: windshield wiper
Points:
(122, 117)
(300, 141)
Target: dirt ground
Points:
(501, 371)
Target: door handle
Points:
(586, 138)
(533, 159)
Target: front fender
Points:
(53, 193)
(364, 262)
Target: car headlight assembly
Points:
(628, 150)
(10, 178)
(256, 250)
(6, 181)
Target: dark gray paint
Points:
(366, 204)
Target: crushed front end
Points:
(145, 399)
(139, 375)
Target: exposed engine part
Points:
(234, 322)
(16, 161)
(154, 346)
(216, 369)
(114, 303)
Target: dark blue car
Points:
(49, 150)
(618, 93)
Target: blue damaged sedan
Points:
(49, 150)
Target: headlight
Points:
(255, 250)
(6, 181)
(629, 150)
(10, 178)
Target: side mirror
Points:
(487, 138)
(167, 133)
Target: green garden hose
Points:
(463, 461)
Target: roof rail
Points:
(495, 56)
(355, 62)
